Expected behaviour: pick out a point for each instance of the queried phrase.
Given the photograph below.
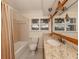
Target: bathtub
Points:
(19, 48)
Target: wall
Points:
(15, 28)
(19, 25)
(46, 4)
(13, 25)
(34, 14)
(72, 12)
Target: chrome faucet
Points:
(62, 40)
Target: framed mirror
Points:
(71, 24)
(59, 24)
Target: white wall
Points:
(22, 28)
(19, 25)
(34, 14)
(46, 4)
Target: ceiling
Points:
(29, 5)
(25, 6)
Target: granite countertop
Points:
(63, 51)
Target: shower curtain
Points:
(7, 51)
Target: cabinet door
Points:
(72, 53)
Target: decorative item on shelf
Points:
(70, 23)
(67, 16)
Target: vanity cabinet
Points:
(60, 52)
(51, 52)
(56, 53)
(71, 52)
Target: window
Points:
(44, 24)
(35, 24)
(40, 24)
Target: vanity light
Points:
(50, 9)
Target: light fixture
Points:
(50, 9)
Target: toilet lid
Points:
(33, 45)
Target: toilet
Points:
(32, 48)
(33, 45)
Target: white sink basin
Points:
(53, 42)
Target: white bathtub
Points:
(19, 48)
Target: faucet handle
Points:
(63, 41)
(60, 39)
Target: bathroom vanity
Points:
(59, 50)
